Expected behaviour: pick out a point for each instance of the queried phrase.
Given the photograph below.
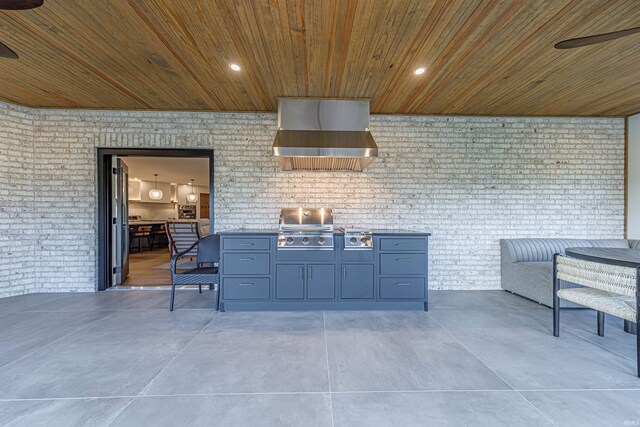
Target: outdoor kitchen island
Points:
(379, 270)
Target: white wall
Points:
(468, 180)
(633, 178)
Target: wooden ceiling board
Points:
(496, 70)
(551, 75)
(483, 57)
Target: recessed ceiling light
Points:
(235, 67)
(419, 71)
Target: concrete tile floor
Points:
(477, 358)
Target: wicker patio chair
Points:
(607, 289)
(206, 272)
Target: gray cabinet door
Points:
(321, 281)
(290, 281)
(357, 281)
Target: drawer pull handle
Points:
(247, 259)
(246, 244)
(402, 244)
(403, 284)
(403, 259)
(344, 272)
(245, 284)
(310, 272)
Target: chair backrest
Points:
(606, 277)
(182, 235)
(209, 249)
(139, 230)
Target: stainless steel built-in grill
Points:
(304, 228)
(357, 239)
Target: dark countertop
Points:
(275, 231)
(400, 232)
(249, 231)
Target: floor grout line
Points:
(321, 393)
(494, 372)
(525, 310)
(326, 352)
(118, 413)
(569, 331)
(60, 338)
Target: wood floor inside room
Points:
(149, 268)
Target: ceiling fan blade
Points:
(5, 52)
(598, 38)
(20, 4)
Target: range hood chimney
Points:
(324, 134)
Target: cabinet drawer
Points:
(402, 288)
(390, 244)
(245, 263)
(403, 264)
(245, 288)
(357, 256)
(305, 256)
(246, 243)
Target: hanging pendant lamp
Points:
(192, 197)
(155, 193)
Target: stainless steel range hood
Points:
(323, 134)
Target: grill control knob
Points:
(305, 240)
(289, 240)
(321, 240)
(353, 240)
(363, 239)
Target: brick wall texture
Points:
(468, 180)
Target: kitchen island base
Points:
(323, 306)
(256, 275)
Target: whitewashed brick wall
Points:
(468, 180)
(17, 252)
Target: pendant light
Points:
(155, 193)
(192, 197)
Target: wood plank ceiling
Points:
(483, 57)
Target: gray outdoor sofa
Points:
(527, 264)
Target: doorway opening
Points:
(141, 193)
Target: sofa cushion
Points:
(634, 244)
(536, 250)
(610, 243)
(539, 267)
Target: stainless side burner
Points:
(355, 239)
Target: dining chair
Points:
(607, 288)
(138, 232)
(182, 235)
(160, 233)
